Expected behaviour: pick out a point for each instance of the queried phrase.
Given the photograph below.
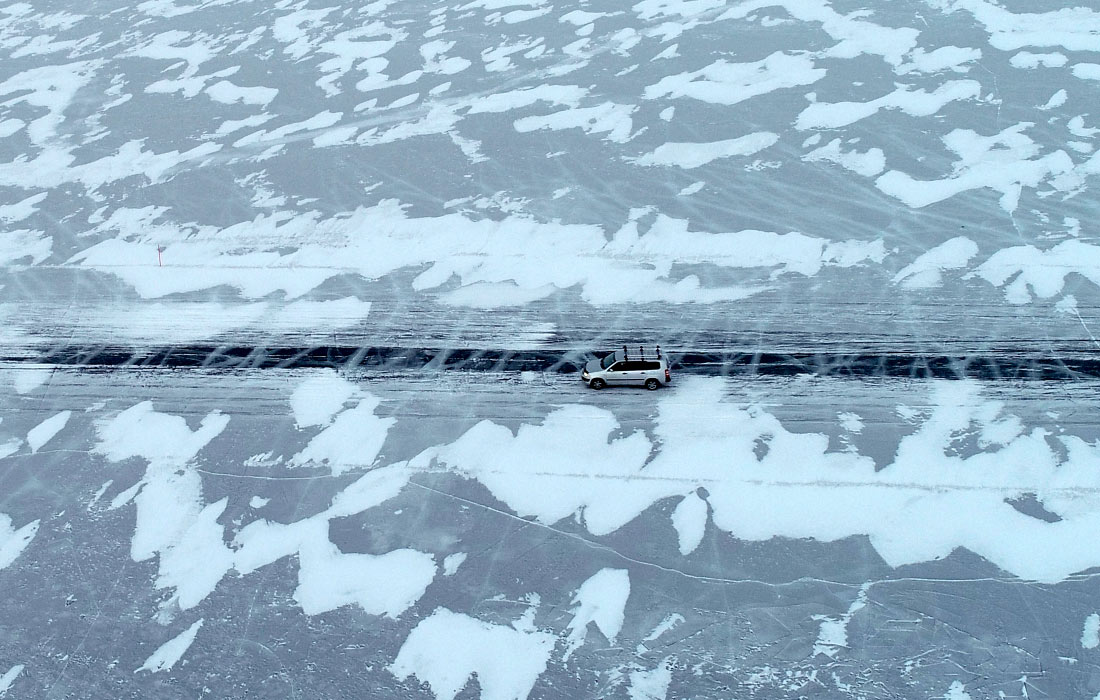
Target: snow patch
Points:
(927, 270)
(8, 678)
(832, 636)
(508, 262)
(386, 584)
(690, 521)
(10, 213)
(608, 118)
(13, 541)
(602, 600)
(1074, 29)
(451, 563)
(957, 691)
(692, 188)
(855, 36)
(1028, 60)
(1087, 71)
(568, 95)
(951, 58)
(168, 654)
(867, 164)
(671, 620)
(1090, 635)
(694, 155)
(1005, 162)
(447, 648)
(171, 519)
(1026, 271)
(46, 430)
(228, 93)
(317, 399)
(917, 103)
(728, 83)
(652, 684)
(1056, 100)
(353, 439)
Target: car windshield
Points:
(608, 361)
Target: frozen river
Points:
(300, 533)
(292, 294)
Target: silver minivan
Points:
(622, 368)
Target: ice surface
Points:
(919, 507)
(765, 176)
(273, 108)
(840, 529)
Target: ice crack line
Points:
(1008, 580)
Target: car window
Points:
(607, 361)
(618, 367)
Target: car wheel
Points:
(597, 384)
(652, 384)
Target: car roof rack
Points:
(641, 352)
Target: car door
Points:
(616, 373)
(632, 372)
